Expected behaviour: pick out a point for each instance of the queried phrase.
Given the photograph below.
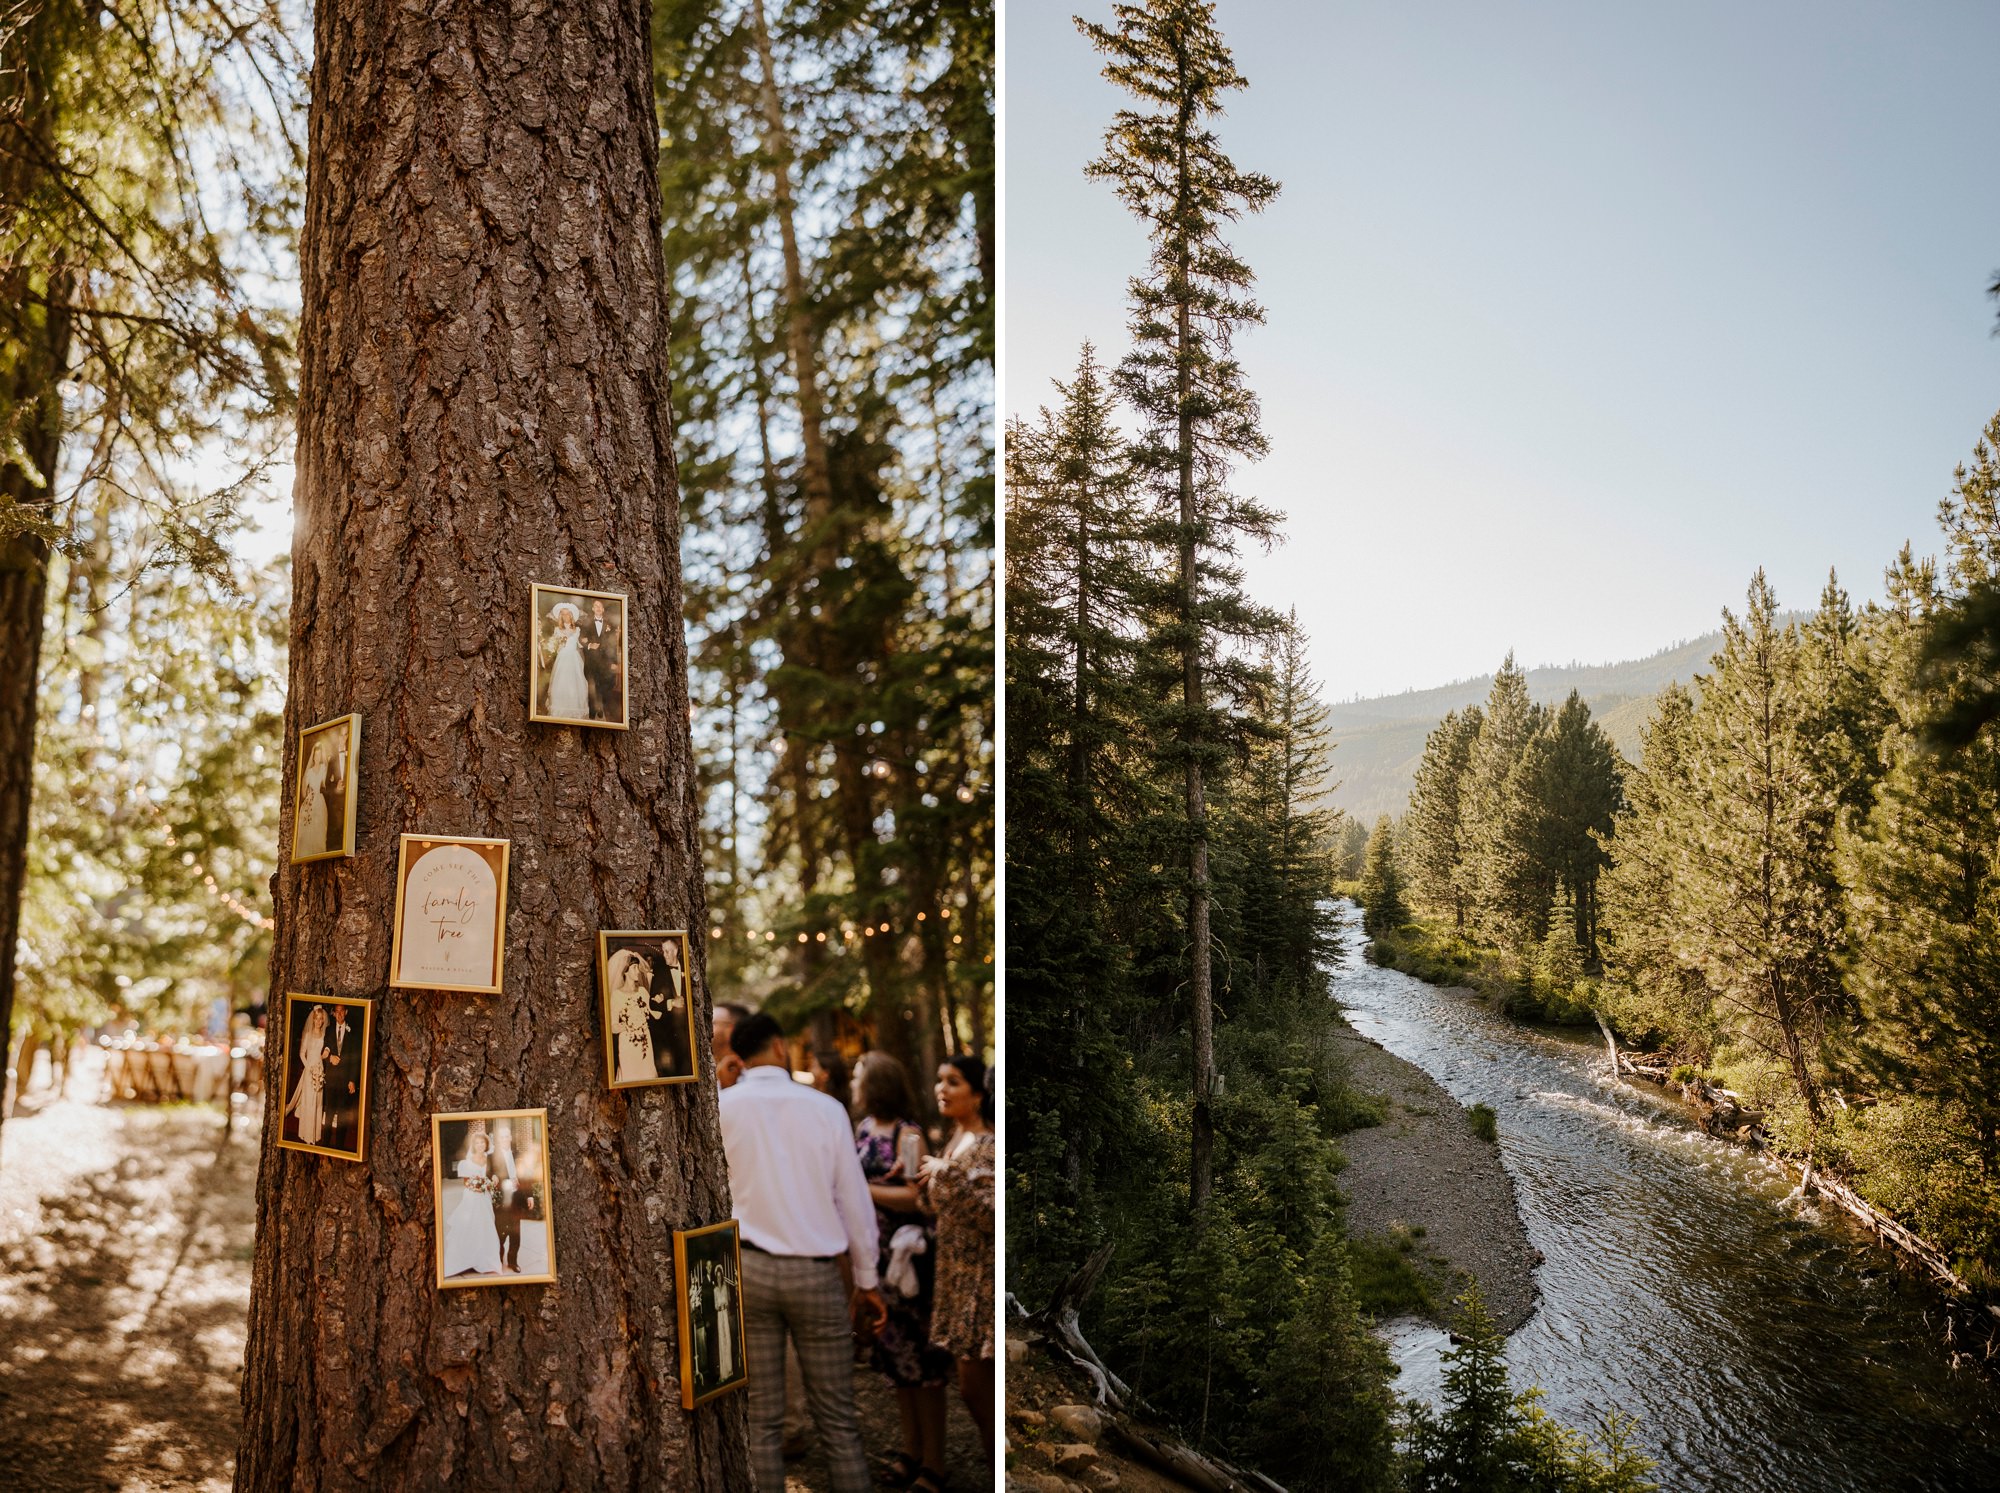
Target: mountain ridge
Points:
(1379, 741)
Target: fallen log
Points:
(1187, 1467)
(1886, 1229)
(1712, 1101)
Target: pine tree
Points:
(1510, 887)
(150, 158)
(1923, 866)
(1762, 910)
(445, 460)
(1382, 907)
(1559, 960)
(1641, 909)
(1434, 831)
(1470, 1445)
(1079, 771)
(1277, 832)
(1324, 1419)
(1576, 790)
(1199, 418)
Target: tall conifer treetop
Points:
(1198, 420)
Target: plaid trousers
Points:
(787, 1294)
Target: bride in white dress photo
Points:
(312, 798)
(308, 1104)
(631, 978)
(569, 690)
(471, 1243)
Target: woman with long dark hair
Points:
(958, 1187)
(891, 1144)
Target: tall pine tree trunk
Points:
(32, 402)
(800, 336)
(484, 404)
(1202, 1141)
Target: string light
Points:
(222, 894)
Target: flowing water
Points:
(1761, 1345)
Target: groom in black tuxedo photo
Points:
(667, 1021)
(513, 1201)
(344, 1056)
(603, 652)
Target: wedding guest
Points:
(829, 1076)
(890, 1143)
(958, 1188)
(728, 1066)
(801, 1204)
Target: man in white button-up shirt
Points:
(802, 1204)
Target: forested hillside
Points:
(1382, 739)
(1795, 891)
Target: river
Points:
(1761, 1345)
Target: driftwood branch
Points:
(1059, 1325)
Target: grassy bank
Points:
(1505, 980)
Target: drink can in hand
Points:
(909, 1152)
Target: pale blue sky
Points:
(1578, 312)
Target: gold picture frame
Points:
(722, 1322)
(633, 1012)
(294, 1117)
(346, 770)
(543, 664)
(454, 889)
(523, 1199)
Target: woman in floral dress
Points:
(902, 1351)
(958, 1188)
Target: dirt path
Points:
(124, 1287)
(125, 1246)
(1423, 1168)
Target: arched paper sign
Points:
(451, 914)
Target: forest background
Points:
(827, 175)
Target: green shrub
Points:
(1387, 1282)
(1485, 1124)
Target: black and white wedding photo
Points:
(577, 673)
(708, 1278)
(326, 1075)
(647, 989)
(492, 1199)
(324, 809)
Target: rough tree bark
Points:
(484, 403)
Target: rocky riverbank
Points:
(1423, 1174)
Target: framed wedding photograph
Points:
(645, 986)
(708, 1282)
(451, 914)
(327, 1040)
(325, 798)
(490, 1171)
(577, 659)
